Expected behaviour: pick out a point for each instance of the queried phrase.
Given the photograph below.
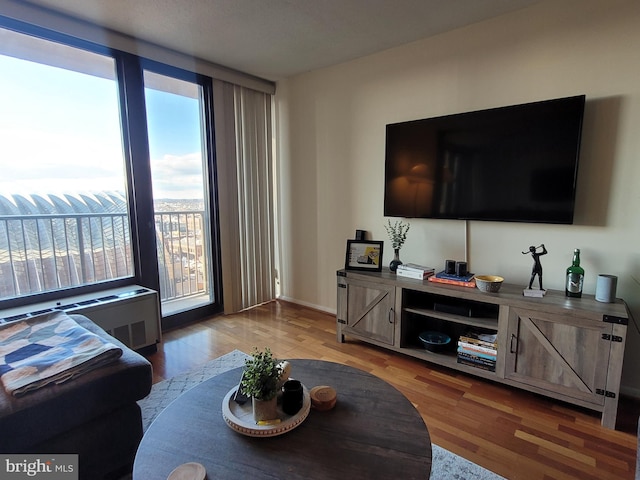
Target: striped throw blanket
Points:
(50, 348)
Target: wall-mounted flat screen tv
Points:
(517, 163)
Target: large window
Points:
(179, 159)
(63, 201)
(77, 210)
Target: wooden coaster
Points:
(323, 397)
(188, 471)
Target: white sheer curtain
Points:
(245, 194)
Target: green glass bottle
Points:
(575, 277)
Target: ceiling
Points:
(275, 39)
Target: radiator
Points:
(130, 314)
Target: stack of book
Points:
(467, 280)
(411, 270)
(478, 350)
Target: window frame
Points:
(129, 77)
(206, 83)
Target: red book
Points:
(471, 283)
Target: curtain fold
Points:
(245, 194)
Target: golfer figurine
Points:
(537, 266)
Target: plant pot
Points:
(393, 266)
(264, 410)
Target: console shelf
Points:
(476, 322)
(565, 348)
(448, 360)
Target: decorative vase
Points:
(393, 266)
(292, 397)
(264, 410)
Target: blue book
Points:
(453, 276)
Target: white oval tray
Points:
(240, 417)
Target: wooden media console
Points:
(570, 349)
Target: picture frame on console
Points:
(364, 255)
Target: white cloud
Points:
(40, 162)
(178, 177)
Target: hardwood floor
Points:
(514, 433)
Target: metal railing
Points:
(182, 253)
(48, 252)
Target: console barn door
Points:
(370, 311)
(555, 353)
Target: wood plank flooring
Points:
(516, 434)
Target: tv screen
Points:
(517, 163)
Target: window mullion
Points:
(136, 149)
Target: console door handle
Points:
(513, 337)
(391, 316)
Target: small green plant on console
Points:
(261, 374)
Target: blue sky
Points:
(173, 123)
(60, 133)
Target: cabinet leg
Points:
(610, 413)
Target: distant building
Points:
(52, 242)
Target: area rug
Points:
(445, 465)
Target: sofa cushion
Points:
(49, 348)
(51, 411)
(105, 445)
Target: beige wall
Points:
(331, 149)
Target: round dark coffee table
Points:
(373, 432)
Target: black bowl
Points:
(435, 341)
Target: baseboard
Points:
(307, 304)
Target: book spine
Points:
(477, 348)
(415, 268)
(453, 276)
(480, 343)
(473, 353)
(447, 281)
(477, 359)
(472, 363)
(411, 274)
(420, 273)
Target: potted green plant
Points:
(260, 382)
(397, 234)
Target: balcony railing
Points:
(181, 253)
(48, 252)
